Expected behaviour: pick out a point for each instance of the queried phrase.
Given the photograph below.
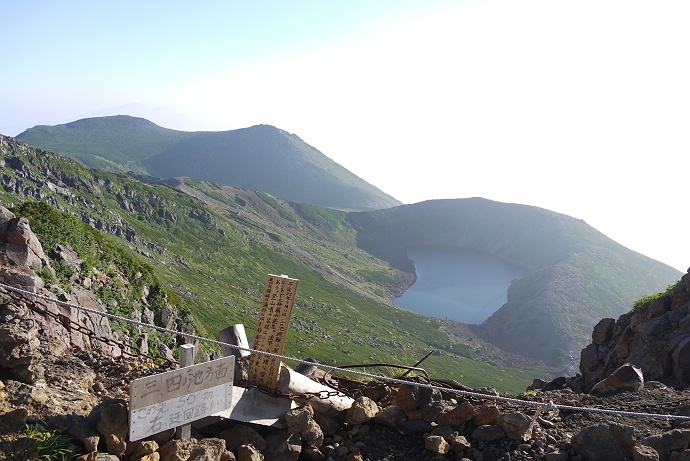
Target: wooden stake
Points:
(186, 360)
(271, 330)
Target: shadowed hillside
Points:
(575, 274)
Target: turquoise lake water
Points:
(463, 285)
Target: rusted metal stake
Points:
(417, 364)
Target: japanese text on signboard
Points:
(165, 400)
(272, 328)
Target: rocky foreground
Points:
(85, 395)
(60, 383)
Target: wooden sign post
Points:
(271, 330)
(178, 397)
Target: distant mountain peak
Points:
(259, 157)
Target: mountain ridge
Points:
(261, 157)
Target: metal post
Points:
(186, 360)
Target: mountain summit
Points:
(260, 157)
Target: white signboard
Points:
(166, 400)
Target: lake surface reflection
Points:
(465, 285)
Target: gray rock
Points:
(486, 415)
(556, 456)
(329, 424)
(516, 425)
(282, 446)
(211, 449)
(144, 448)
(602, 331)
(431, 404)
(248, 452)
(681, 360)
(176, 450)
(19, 344)
(625, 377)
(458, 442)
(437, 444)
(408, 397)
(605, 441)
(312, 454)
(298, 419)
(301, 420)
(488, 433)
(390, 416)
(414, 426)
(654, 327)
(673, 440)
(113, 426)
(458, 416)
(363, 409)
(645, 453)
(679, 456)
(241, 434)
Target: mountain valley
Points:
(213, 244)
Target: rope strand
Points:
(540, 406)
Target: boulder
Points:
(21, 246)
(680, 357)
(488, 433)
(176, 450)
(211, 449)
(605, 441)
(19, 344)
(645, 453)
(301, 420)
(625, 377)
(241, 434)
(282, 446)
(458, 442)
(437, 444)
(414, 426)
(408, 397)
(486, 415)
(602, 331)
(144, 447)
(113, 425)
(390, 416)
(362, 410)
(458, 416)
(516, 425)
(673, 440)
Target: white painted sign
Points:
(166, 400)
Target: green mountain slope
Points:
(260, 158)
(214, 245)
(576, 275)
(118, 143)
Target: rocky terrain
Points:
(65, 377)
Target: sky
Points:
(580, 107)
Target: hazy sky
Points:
(580, 107)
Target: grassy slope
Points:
(119, 143)
(215, 262)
